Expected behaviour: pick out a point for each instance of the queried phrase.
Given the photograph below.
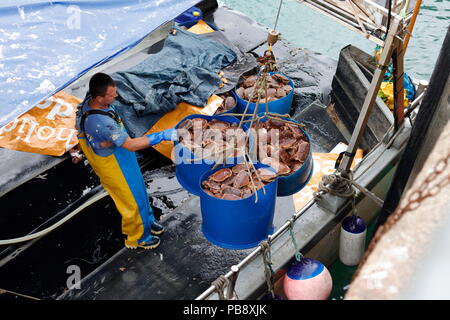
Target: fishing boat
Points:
(60, 232)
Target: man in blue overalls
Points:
(111, 153)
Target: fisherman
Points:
(111, 153)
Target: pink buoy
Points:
(307, 279)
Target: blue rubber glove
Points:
(166, 135)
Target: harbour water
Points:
(306, 28)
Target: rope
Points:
(56, 225)
(278, 14)
(298, 255)
(220, 283)
(2, 291)
(337, 184)
(268, 270)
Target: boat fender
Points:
(352, 240)
(307, 279)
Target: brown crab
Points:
(277, 87)
(243, 182)
(227, 104)
(215, 137)
(221, 175)
(282, 145)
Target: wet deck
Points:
(186, 263)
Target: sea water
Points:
(306, 28)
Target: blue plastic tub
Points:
(238, 224)
(235, 108)
(192, 14)
(288, 185)
(188, 172)
(191, 23)
(281, 106)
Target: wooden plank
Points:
(399, 95)
(372, 94)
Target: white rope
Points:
(56, 225)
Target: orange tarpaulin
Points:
(48, 128)
(201, 27)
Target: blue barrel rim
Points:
(203, 116)
(180, 178)
(288, 96)
(211, 171)
(301, 186)
(302, 168)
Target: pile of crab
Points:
(277, 88)
(238, 182)
(227, 104)
(281, 145)
(213, 140)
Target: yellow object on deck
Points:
(171, 119)
(201, 27)
(387, 94)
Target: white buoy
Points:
(352, 240)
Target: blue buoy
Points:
(307, 279)
(352, 240)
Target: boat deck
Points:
(186, 263)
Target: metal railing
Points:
(235, 269)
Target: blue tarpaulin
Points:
(46, 45)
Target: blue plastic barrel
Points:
(281, 106)
(288, 185)
(238, 224)
(188, 170)
(191, 23)
(192, 14)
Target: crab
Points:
(227, 104)
(242, 179)
(221, 175)
(242, 183)
(277, 87)
(266, 174)
(281, 168)
(215, 137)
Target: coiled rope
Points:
(341, 184)
(220, 283)
(268, 271)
